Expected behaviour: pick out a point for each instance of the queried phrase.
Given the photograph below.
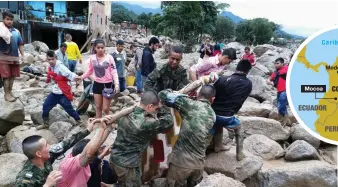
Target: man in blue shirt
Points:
(9, 56)
(62, 55)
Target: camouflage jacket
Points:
(197, 120)
(32, 176)
(135, 133)
(165, 78)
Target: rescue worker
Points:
(135, 131)
(186, 161)
(36, 172)
(171, 76)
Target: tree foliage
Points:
(144, 20)
(119, 14)
(224, 28)
(257, 31)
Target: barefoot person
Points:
(10, 43)
(106, 81)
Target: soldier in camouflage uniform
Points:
(186, 161)
(171, 76)
(41, 156)
(134, 135)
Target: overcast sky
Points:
(302, 17)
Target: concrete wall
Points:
(40, 8)
(99, 15)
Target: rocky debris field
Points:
(276, 156)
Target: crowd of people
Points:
(203, 117)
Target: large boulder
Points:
(28, 59)
(259, 70)
(254, 109)
(267, 61)
(28, 48)
(237, 46)
(219, 180)
(60, 129)
(10, 165)
(274, 115)
(299, 133)
(263, 147)
(267, 127)
(261, 90)
(329, 154)
(296, 174)
(15, 137)
(226, 163)
(40, 46)
(261, 49)
(55, 115)
(301, 150)
(12, 114)
(3, 145)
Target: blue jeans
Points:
(52, 100)
(282, 102)
(71, 65)
(122, 82)
(139, 81)
(225, 122)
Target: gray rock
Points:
(28, 48)
(60, 129)
(219, 180)
(10, 165)
(226, 163)
(261, 49)
(274, 115)
(3, 145)
(15, 137)
(263, 147)
(329, 154)
(296, 174)
(299, 133)
(260, 89)
(254, 109)
(55, 115)
(159, 182)
(267, 127)
(251, 99)
(301, 150)
(28, 59)
(12, 114)
(267, 61)
(40, 45)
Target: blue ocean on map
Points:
(300, 75)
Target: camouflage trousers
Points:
(127, 177)
(177, 176)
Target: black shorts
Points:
(98, 87)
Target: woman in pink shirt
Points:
(105, 76)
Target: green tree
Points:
(224, 28)
(257, 31)
(119, 14)
(144, 20)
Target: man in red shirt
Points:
(278, 79)
(249, 56)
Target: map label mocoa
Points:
(313, 88)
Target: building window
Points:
(97, 19)
(101, 21)
(106, 20)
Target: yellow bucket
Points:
(130, 80)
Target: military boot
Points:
(218, 141)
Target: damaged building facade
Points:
(49, 21)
